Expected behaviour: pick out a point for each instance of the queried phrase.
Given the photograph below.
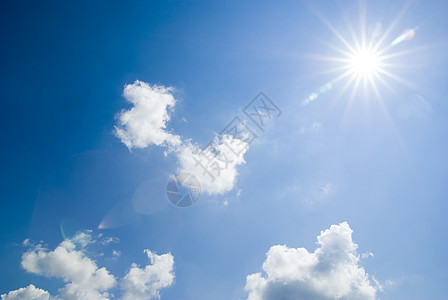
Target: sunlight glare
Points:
(364, 63)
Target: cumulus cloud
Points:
(145, 123)
(146, 283)
(332, 271)
(84, 279)
(28, 293)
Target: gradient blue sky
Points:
(64, 66)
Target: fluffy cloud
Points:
(216, 167)
(146, 283)
(84, 280)
(145, 123)
(332, 271)
(28, 293)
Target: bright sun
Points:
(364, 63)
(364, 58)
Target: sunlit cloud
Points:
(332, 271)
(84, 279)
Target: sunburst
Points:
(365, 59)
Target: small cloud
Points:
(115, 254)
(377, 283)
(83, 238)
(367, 254)
(218, 177)
(110, 240)
(238, 193)
(390, 282)
(145, 123)
(146, 283)
(314, 128)
(327, 189)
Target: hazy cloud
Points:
(215, 169)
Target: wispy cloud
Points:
(220, 177)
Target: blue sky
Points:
(374, 160)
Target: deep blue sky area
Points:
(374, 156)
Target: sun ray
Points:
(332, 71)
(350, 101)
(326, 58)
(390, 28)
(335, 48)
(332, 29)
(362, 16)
(353, 36)
(386, 85)
(344, 87)
(365, 62)
(398, 78)
(408, 51)
(388, 117)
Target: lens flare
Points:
(407, 35)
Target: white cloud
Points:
(28, 293)
(109, 240)
(145, 123)
(83, 238)
(327, 189)
(116, 254)
(215, 167)
(367, 255)
(146, 283)
(84, 280)
(332, 271)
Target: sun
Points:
(363, 58)
(364, 63)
